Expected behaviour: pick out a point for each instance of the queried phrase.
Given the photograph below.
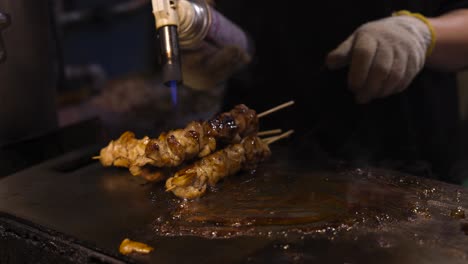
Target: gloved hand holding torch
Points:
(212, 48)
(225, 49)
(385, 55)
(208, 66)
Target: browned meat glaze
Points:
(171, 149)
(241, 121)
(191, 182)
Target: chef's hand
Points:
(208, 66)
(384, 55)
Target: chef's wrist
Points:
(427, 21)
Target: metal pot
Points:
(28, 71)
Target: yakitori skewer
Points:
(171, 149)
(191, 182)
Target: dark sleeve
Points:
(450, 5)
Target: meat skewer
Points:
(131, 156)
(171, 149)
(174, 147)
(199, 139)
(192, 181)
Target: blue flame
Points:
(173, 85)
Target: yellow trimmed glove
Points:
(385, 55)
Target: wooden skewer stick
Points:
(276, 138)
(183, 178)
(274, 109)
(266, 140)
(269, 132)
(96, 157)
(172, 188)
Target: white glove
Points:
(384, 55)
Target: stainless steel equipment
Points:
(28, 73)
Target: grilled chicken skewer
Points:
(192, 181)
(199, 139)
(174, 147)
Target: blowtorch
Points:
(183, 24)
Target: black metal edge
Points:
(51, 243)
(23, 154)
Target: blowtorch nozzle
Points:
(166, 24)
(170, 59)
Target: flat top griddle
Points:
(287, 210)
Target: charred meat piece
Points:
(192, 181)
(235, 124)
